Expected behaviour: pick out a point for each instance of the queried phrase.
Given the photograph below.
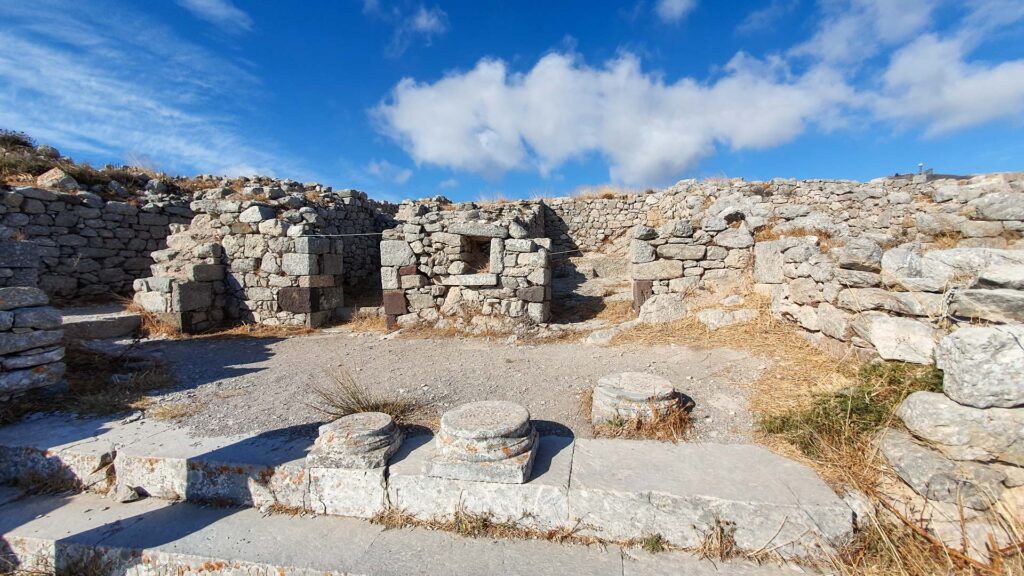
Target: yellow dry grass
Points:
(366, 323)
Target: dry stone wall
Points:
(272, 257)
(834, 278)
(31, 354)
(88, 246)
(459, 265)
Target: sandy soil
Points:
(249, 385)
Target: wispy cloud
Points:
(384, 170)
(423, 25)
(223, 13)
(447, 183)
(67, 81)
(672, 11)
(764, 18)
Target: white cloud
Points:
(853, 30)
(929, 82)
(671, 11)
(448, 183)
(223, 13)
(766, 17)
(68, 82)
(490, 121)
(423, 25)
(384, 170)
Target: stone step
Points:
(102, 321)
(73, 534)
(612, 489)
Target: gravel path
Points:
(250, 385)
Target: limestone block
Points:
(640, 252)
(860, 254)
(734, 238)
(897, 338)
(470, 280)
(17, 381)
(997, 305)
(189, 296)
(906, 303)
(999, 206)
(983, 366)
(715, 318)
(478, 229)
(657, 270)
(857, 278)
(681, 251)
(768, 263)
(663, 308)
(312, 245)
(936, 477)
(389, 278)
(358, 493)
(413, 281)
(833, 322)
(256, 214)
(965, 433)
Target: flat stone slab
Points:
(162, 537)
(623, 488)
(97, 322)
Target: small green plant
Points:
(653, 543)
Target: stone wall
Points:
(264, 256)
(835, 279)
(88, 246)
(31, 354)
(886, 209)
(466, 265)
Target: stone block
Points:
(300, 264)
(414, 281)
(998, 305)
(317, 281)
(963, 432)
(983, 366)
(22, 297)
(642, 290)
(357, 493)
(361, 440)
(389, 278)
(40, 318)
(470, 280)
(256, 214)
(478, 229)
(298, 300)
(768, 263)
(532, 293)
(632, 395)
(18, 381)
(190, 296)
(206, 272)
(396, 253)
(681, 251)
(394, 303)
(489, 441)
(897, 338)
(658, 270)
(18, 254)
(312, 245)
(11, 342)
(30, 360)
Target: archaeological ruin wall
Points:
(463, 265)
(263, 256)
(88, 246)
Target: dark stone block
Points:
(299, 300)
(17, 254)
(391, 322)
(407, 271)
(394, 302)
(642, 290)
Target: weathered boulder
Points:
(904, 268)
(983, 366)
(906, 303)
(715, 318)
(681, 251)
(768, 263)
(897, 338)
(999, 206)
(663, 308)
(936, 477)
(57, 178)
(860, 254)
(256, 214)
(735, 238)
(640, 252)
(1002, 276)
(998, 305)
(965, 433)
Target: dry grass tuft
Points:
(945, 240)
(719, 542)
(36, 484)
(152, 326)
(603, 192)
(281, 509)
(259, 331)
(174, 411)
(101, 384)
(342, 395)
(363, 322)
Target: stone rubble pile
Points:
(489, 441)
(632, 396)
(31, 354)
(469, 266)
(966, 445)
(361, 440)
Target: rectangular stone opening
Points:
(477, 256)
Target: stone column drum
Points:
(363, 440)
(488, 441)
(632, 395)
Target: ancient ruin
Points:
(902, 271)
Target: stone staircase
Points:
(99, 322)
(615, 490)
(87, 534)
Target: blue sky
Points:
(471, 99)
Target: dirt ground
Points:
(251, 385)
